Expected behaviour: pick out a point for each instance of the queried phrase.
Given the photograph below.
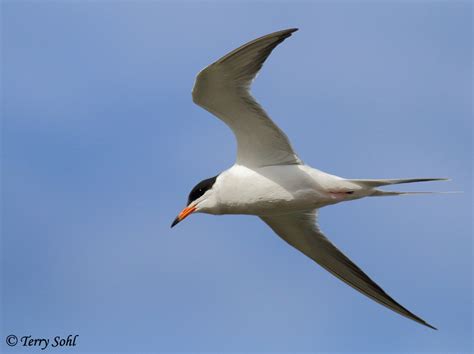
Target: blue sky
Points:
(101, 144)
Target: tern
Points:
(269, 180)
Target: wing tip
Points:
(281, 35)
(291, 30)
(287, 32)
(410, 315)
(428, 325)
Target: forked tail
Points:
(379, 193)
(374, 183)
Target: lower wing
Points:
(300, 231)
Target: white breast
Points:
(271, 190)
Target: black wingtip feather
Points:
(278, 36)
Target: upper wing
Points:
(300, 231)
(223, 89)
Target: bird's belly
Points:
(260, 194)
(274, 205)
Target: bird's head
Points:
(202, 198)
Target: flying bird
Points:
(268, 179)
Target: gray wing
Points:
(223, 89)
(300, 231)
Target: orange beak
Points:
(186, 211)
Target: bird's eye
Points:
(201, 188)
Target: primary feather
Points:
(222, 88)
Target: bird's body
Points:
(281, 189)
(269, 180)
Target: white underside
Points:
(277, 190)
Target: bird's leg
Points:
(338, 194)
